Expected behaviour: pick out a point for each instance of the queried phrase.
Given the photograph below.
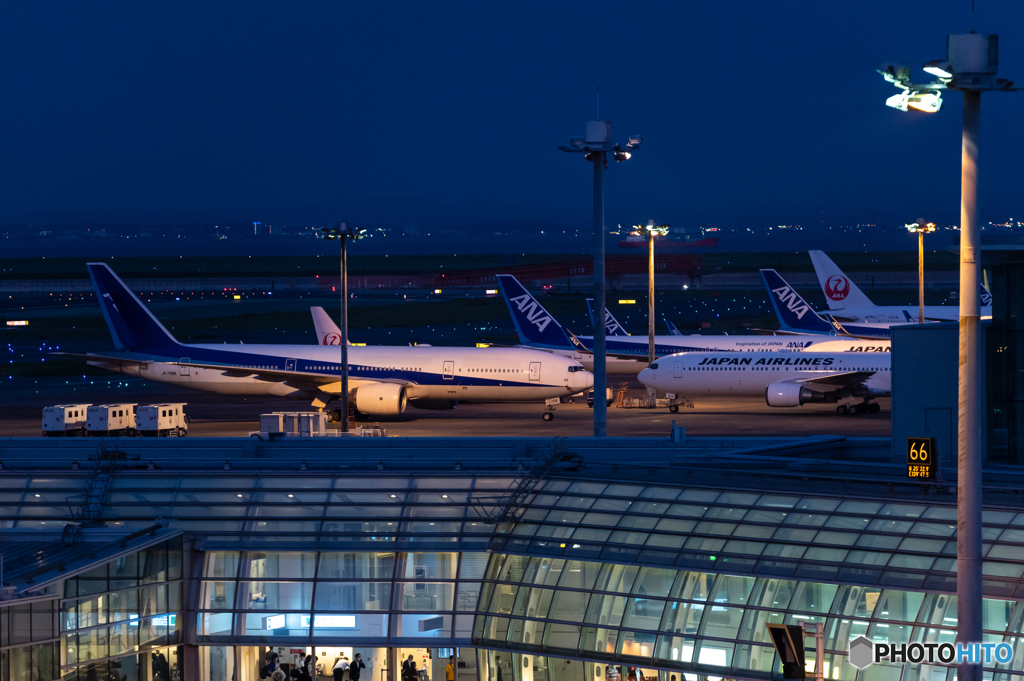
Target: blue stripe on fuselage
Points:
(233, 359)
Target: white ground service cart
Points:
(108, 420)
(162, 420)
(64, 420)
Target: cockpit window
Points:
(575, 369)
(654, 366)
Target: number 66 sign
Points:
(921, 460)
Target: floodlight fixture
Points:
(929, 101)
(894, 72)
(939, 68)
(621, 155)
(635, 141)
(921, 226)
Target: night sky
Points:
(451, 112)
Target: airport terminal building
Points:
(529, 559)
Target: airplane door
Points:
(534, 371)
(183, 368)
(677, 370)
(289, 365)
(448, 372)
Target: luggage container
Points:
(162, 420)
(64, 420)
(103, 420)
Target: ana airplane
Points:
(847, 303)
(382, 380)
(797, 316)
(785, 379)
(537, 328)
(611, 324)
(672, 329)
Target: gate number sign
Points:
(921, 458)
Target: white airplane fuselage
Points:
(715, 374)
(430, 373)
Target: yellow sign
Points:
(627, 302)
(921, 458)
(437, 290)
(238, 297)
(483, 345)
(18, 322)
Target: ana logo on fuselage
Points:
(792, 300)
(837, 287)
(532, 311)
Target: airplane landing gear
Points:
(549, 415)
(861, 408)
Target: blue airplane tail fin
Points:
(794, 313)
(672, 329)
(534, 324)
(611, 324)
(986, 296)
(131, 324)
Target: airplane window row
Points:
(495, 371)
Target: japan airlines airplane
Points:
(847, 303)
(786, 379)
(382, 380)
(537, 328)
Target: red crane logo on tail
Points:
(837, 287)
(332, 338)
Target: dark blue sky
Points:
(450, 113)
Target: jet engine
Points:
(380, 399)
(790, 395)
(434, 405)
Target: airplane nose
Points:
(646, 376)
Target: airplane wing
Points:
(845, 380)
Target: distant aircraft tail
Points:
(611, 324)
(986, 296)
(533, 323)
(839, 289)
(131, 324)
(672, 330)
(327, 332)
(794, 313)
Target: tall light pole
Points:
(595, 145)
(971, 63)
(343, 233)
(650, 230)
(922, 228)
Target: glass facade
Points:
(123, 619)
(363, 597)
(675, 581)
(29, 641)
(704, 623)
